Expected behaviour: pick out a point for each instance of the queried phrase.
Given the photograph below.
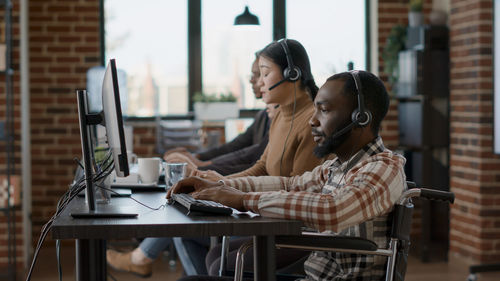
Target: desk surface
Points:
(170, 221)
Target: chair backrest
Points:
(175, 133)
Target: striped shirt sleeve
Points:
(371, 188)
(311, 181)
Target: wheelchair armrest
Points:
(318, 240)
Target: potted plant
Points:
(215, 107)
(395, 43)
(415, 16)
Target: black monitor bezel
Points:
(122, 158)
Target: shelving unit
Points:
(7, 139)
(423, 112)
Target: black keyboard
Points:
(196, 205)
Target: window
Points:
(228, 50)
(148, 39)
(333, 33)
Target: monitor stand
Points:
(86, 120)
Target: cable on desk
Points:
(137, 201)
(76, 187)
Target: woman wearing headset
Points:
(286, 79)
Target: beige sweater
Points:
(298, 156)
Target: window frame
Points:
(194, 36)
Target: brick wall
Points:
(144, 138)
(475, 171)
(64, 43)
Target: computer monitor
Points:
(111, 118)
(113, 121)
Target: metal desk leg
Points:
(91, 260)
(264, 258)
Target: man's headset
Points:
(291, 73)
(360, 116)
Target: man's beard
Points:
(331, 143)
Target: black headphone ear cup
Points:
(286, 73)
(361, 119)
(292, 74)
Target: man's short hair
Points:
(375, 95)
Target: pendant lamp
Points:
(246, 18)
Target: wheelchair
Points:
(396, 252)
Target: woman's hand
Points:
(191, 184)
(209, 175)
(180, 149)
(185, 157)
(223, 194)
(177, 157)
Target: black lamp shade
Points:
(246, 18)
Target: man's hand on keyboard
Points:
(223, 194)
(192, 184)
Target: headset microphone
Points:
(277, 84)
(344, 130)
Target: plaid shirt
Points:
(351, 198)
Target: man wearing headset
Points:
(351, 194)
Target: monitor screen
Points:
(113, 121)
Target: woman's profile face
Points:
(270, 74)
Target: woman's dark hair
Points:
(274, 51)
(374, 93)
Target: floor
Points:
(46, 270)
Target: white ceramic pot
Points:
(215, 110)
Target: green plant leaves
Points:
(201, 97)
(394, 44)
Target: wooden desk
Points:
(171, 221)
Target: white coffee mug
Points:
(149, 169)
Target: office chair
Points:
(399, 244)
(174, 133)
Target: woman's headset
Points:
(291, 73)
